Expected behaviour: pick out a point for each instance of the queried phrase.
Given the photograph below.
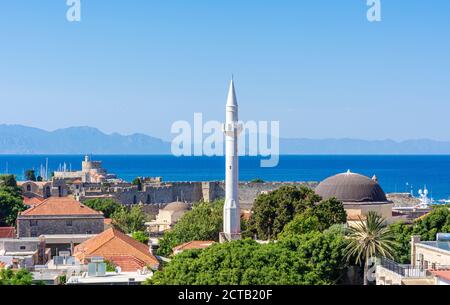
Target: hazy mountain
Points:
(353, 146)
(17, 139)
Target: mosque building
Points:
(359, 195)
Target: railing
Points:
(410, 271)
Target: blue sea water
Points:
(395, 173)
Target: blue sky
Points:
(317, 66)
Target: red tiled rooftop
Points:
(443, 274)
(195, 244)
(118, 248)
(60, 206)
(7, 232)
(32, 201)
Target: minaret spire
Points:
(231, 209)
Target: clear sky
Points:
(317, 66)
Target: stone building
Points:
(59, 215)
(91, 172)
(43, 189)
(168, 216)
(430, 264)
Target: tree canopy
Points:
(273, 211)
(137, 182)
(13, 277)
(308, 259)
(11, 201)
(140, 236)
(107, 206)
(203, 222)
(129, 220)
(369, 238)
(30, 175)
(437, 221)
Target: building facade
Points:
(59, 215)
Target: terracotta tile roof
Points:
(107, 221)
(127, 263)
(7, 232)
(356, 217)
(443, 274)
(60, 206)
(245, 214)
(118, 248)
(32, 201)
(195, 244)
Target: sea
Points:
(399, 173)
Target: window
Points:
(28, 188)
(22, 247)
(33, 223)
(89, 232)
(69, 223)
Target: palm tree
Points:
(369, 238)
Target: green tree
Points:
(110, 266)
(129, 220)
(140, 236)
(11, 201)
(137, 182)
(324, 252)
(329, 212)
(257, 180)
(301, 224)
(272, 211)
(9, 183)
(309, 259)
(203, 222)
(402, 233)
(107, 206)
(437, 221)
(13, 277)
(369, 238)
(30, 175)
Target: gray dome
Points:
(351, 188)
(177, 206)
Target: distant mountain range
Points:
(18, 139)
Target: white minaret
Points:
(231, 209)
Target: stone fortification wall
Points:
(161, 194)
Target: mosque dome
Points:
(352, 188)
(177, 206)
